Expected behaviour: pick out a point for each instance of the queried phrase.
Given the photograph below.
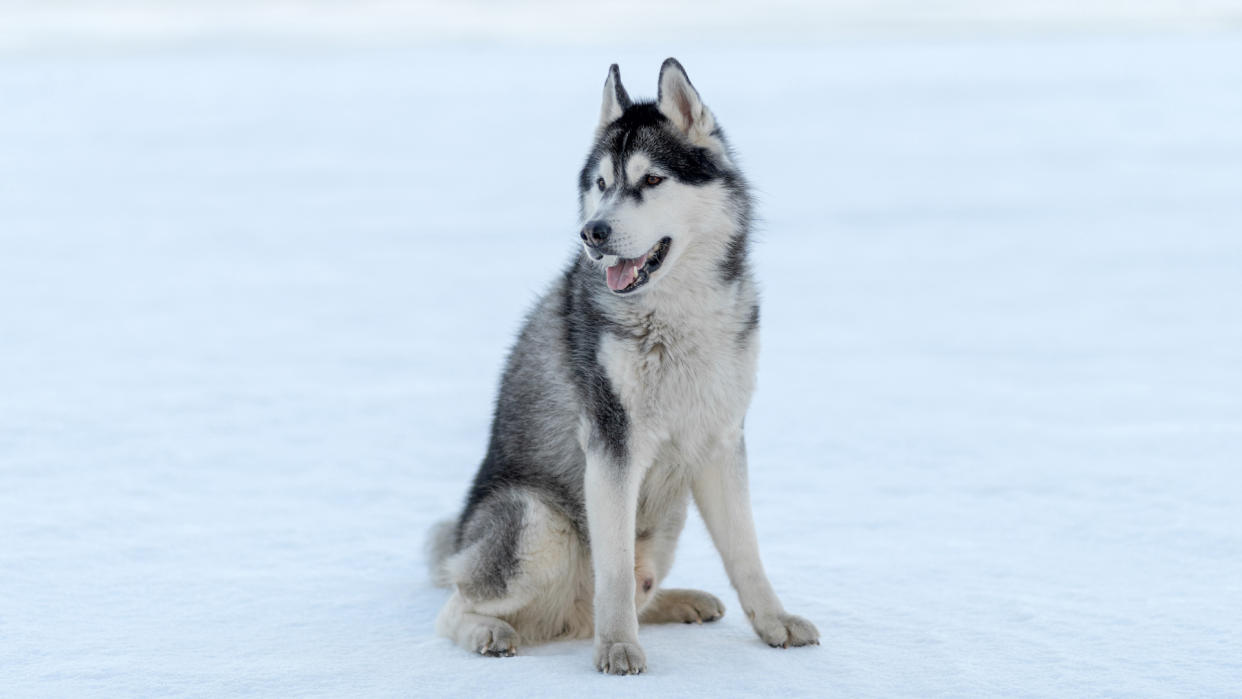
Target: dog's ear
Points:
(616, 100)
(679, 101)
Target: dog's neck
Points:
(698, 290)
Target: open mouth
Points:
(628, 275)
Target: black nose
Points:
(596, 232)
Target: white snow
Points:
(253, 304)
(72, 24)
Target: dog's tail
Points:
(440, 541)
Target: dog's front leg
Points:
(611, 502)
(723, 497)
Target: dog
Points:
(624, 396)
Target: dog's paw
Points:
(494, 640)
(619, 658)
(785, 630)
(684, 606)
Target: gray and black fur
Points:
(617, 404)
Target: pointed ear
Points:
(679, 101)
(616, 100)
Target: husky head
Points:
(659, 191)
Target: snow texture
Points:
(254, 301)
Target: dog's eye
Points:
(653, 180)
(600, 183)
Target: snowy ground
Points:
(253, 305)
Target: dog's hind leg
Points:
(479, 633)
(482, 572)
(517, 577)
(685, 606)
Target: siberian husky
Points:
(624, 395)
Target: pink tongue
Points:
(623, 273)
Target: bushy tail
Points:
(439, 548)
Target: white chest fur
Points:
(685, 383)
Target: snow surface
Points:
(73, 24)
(253, 304)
